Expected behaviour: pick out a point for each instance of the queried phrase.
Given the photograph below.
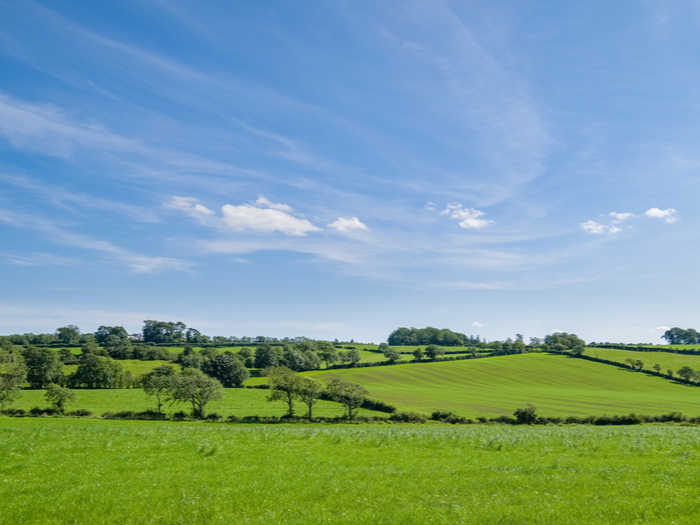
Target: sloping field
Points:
(557, 385)
(666, 360)
(135, 366)
(240, 402)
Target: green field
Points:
(61, 471)
(667, 360)
(557, 385)
(236, 401)
(135, 366)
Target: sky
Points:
(340, 169)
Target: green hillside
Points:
(557, 385)
(666, 360)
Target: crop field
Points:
(236, 401)
(57, 471)
(557, 385)
(666, 360)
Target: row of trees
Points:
(429, 335)
(685, 372)
(679, 336)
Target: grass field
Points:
(236, 401)
(135, 366)
(557, 385)
(667, 360)
(61, 471)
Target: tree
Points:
(327, 353)
(686, 373)
(349, 394)
(284, 385)
(58, 396)
(157, 382)
(227, 368)
(69, 335)
(195, 387)
(188, 358)
(103, 332)
(418, 354)
(308, 391)
(562, 342)
(433, 351)
(657, 368)
(13, 374)
(391, 354)
(354, 356)
(95, 371)
(118, 347)
(44, 366)
(267, 356)
(163, 331)
(526, 416)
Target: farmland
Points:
(180, 473)
(240, 402)
(557, 385)
(667, 360)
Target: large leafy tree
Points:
(284, 385)
(44, 366)
(227, 368)
(157, 382)
(196, 388)
(349, 394)
(69, 335)
(95, 371)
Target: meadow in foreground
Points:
(57, 471)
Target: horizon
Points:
(339, 170)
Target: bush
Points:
(407, 417)
(81, 412)
(213, 417)
(14, 412)
(179, 416)
(526, 416)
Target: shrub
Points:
(180, 416)
(526, 416)
(213, 417)
(407, 417)
(81, 412)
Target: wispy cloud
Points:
(467, 218)
(136, 262)
(348, 225)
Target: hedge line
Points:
(635, 348)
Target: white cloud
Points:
(468, 218)
(477, 324)
(248, 217)
(190, 206)
(265, 203)
(668, 215)
(620, 217)
(596, 228)
(344, 225)
(430, 206)
(662, 328)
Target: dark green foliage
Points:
(96, 372)
(267, 356)
(103, 332)
(526, 416)
(68, 334)
(188, 358)
(407, 417)
(13, 374)
(352, 395)
(163, 331)
(433, 351)
(428, 336)
(44, 366)
(564, 342)
(678, 336)
(391, 354)
(157, 383)
(227, 368)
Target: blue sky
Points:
(338, 169)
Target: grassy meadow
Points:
(556, 384)
(240, 402)
(60, 471)
(666, 360)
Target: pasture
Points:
(667, 360)
(60, 471)
(240, 402)
(556, 384)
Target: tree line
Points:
(679, 336)
(429, 335)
